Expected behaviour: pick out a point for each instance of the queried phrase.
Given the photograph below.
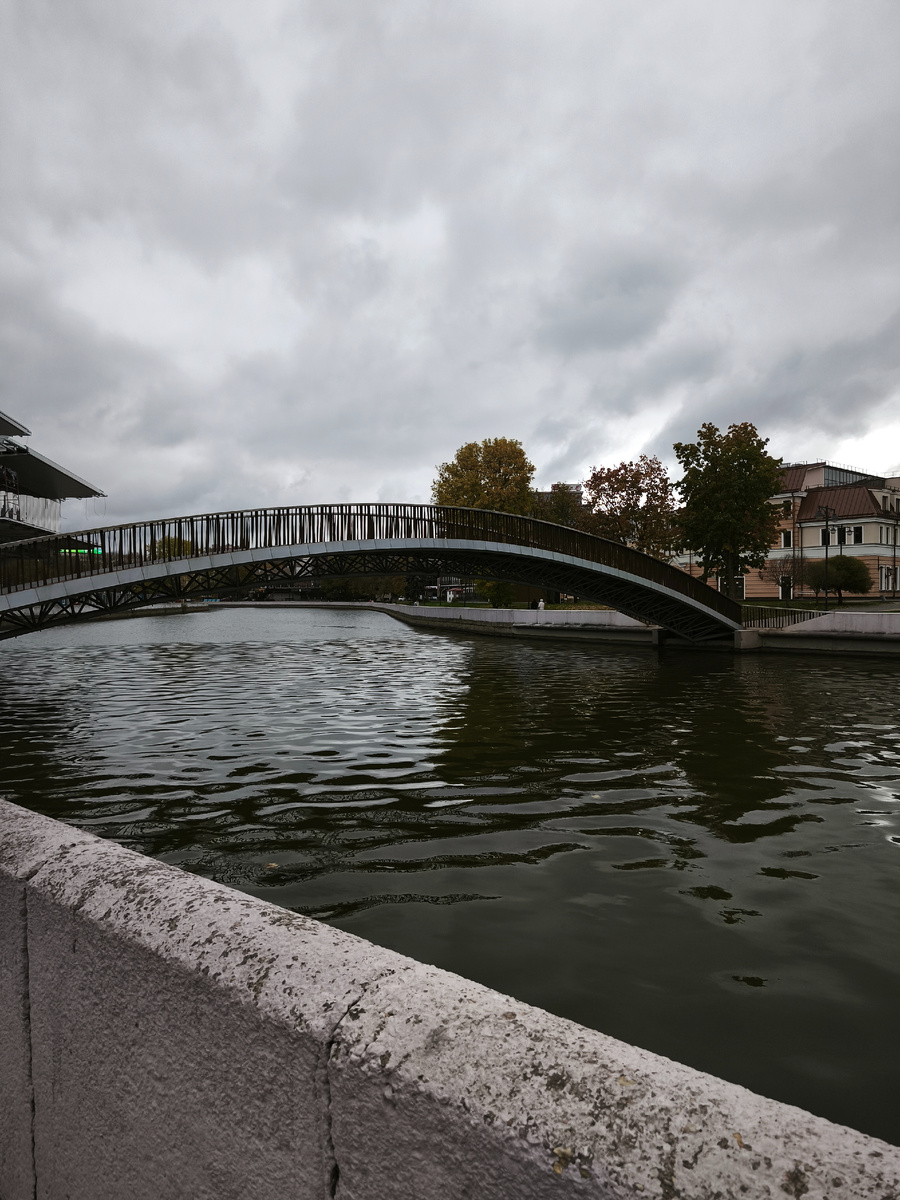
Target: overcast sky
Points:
(283, 252)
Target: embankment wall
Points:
(162, 1036)
(851, 632)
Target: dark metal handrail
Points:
(57, 557)
(758, 616)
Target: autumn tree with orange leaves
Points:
(633, 503)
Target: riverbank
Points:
(850, 632)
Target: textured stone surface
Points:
(189, 1041)
(179, 1031)
(593, 617)
(451, 1090)
(853, 621)
(16, 1174)
(26, 842)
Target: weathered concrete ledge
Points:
(851, 632)
(590, 625)
(162, 1036)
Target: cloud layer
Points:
(288, 252)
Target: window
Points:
(857, 535)
(785, 588)
(738, 586)
(841, 535)
(787, 507)
(786, 539)
(884, 503)
(825, 538)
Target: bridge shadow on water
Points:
(693, 852)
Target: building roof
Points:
(12, 428)
(793, 475)
(797, 477)
(851, 500)
(38, 476)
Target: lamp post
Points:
(827, 513)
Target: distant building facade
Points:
(856, 513)
(32, 488)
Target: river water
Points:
(697, 853)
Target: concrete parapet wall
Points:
(589, 617)
(586, 625)
(162, 1036)
(868, 624)
(850, 632)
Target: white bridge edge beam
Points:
(186, 1039)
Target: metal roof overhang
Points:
(10, 427)
(38, 476)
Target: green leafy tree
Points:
(633, 503)
(495, 474)
(168, 548)
(726, 487)
(845, 574)
(814, 575)
(563, 507)
(344, 587)
(498, 592)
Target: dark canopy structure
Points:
(9, 427)
(39, 476)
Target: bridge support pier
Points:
(746, 639)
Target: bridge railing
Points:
(79, 555)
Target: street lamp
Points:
(827, 513)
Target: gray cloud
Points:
(607, 305)
(294, 253)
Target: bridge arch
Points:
(63, 578)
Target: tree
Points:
(793, 569)
(492, 474)
(845, 574)
(562, 506)
(814, 575)
(498, 592)
(345, 587)
(726, 517)
(633, 503)
(848, 574)
(363, 587)
(167, 548)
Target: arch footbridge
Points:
(70, 577)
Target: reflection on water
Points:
(697, 854)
